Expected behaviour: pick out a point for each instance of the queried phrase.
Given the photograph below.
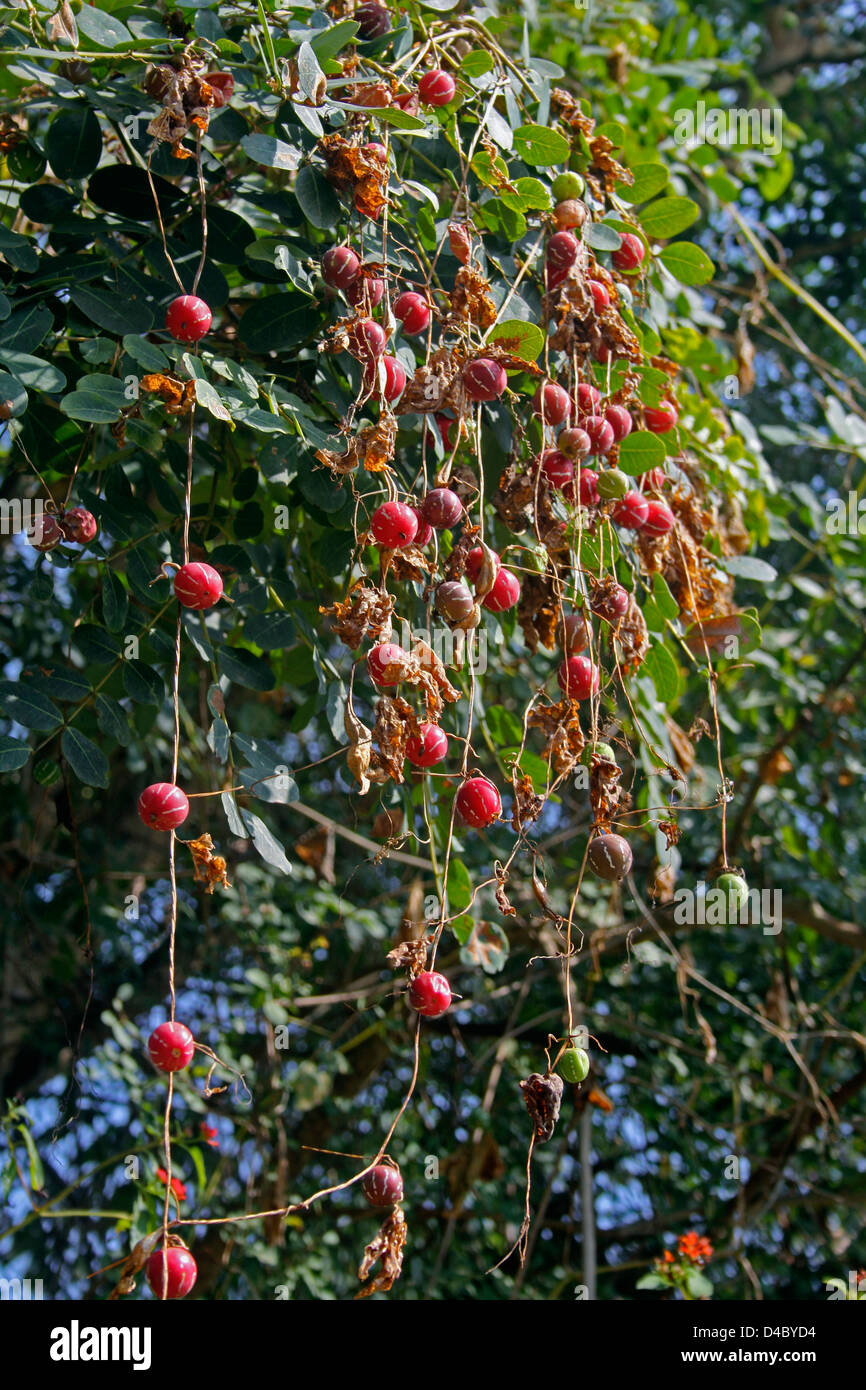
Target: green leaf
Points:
(649, 179)
(18, 250)
(476, 63)
(87, 761)
(142, 683)
(601, 237)
(112, 718)
(73, 143)
(270, 631)
(330, 41)
(276, 322)
(519, 337)
(271, 153)
(103, 29)
(640, 451)
(37, 1172)
(698, 1284)
(652, 1281)
(319, 203)
(244, 668)
(268, 847)
(662, 669)
(34, 372)
(13, 753)
(115, 602)
(459, 886)
(116, 313)
(13, 394)
(687, 263)
(750, 567)
(29, 707)
(98, 399)
(208, 396)
(540, 146)
(667, 604)
(95, 644)
(145, 354)
(667, 217)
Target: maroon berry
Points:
(659, 520)
(552, 403)
(474, 561)
(575, 443)
(442, 508)
(366, 292)
(610, 603)
(163, 806)
(483, 379)
(430, 994)
(428, 747)
(600, 433)
(587, 488)
(188, 318)
(222, 84)
(561, 253)
(600, 295)
(372, 20)
(478, 802)
(631, 511)
(386, 664)
(391, 381)
(619, 420)
(413, 311)
(571, 212)
(609, 857)
(504, 594)
(454, 601)
(197, 586)
(630, 253)
(171, 1047)
(394, 525)
(437, 88)
(424, 534)
(578, 677)
(446, 425)
(654, 480)
(45, 532)
(367, 340)
(660, 418)
(171, 1272)
(557, 469)
(383, 1185)
(78, 525)
(340, 267)
(576, 633)
(588, 398)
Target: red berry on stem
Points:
(587, 488)
(631, 511)
(557, 469)
(424, 534)
(552, 403)
(575, 443)
(660, 418)
(188, 318)
(78, 525)
(163, 806)
(600, 295)
(611, 604)
(446, 425)
(222, 84)
(600, 433)
(454, 601)
(171, 1047)
(504, 594)
(413, 311)
(383, 1185)
(478, 802)
(45, 532)
(386, 663)
(576, 633)
(655, 479)
(437, 88)
(561, 253)
(372, 20)
(171, 1272)
(483, 379)
(366, 292)
(609, 857)
(619, 420)
(197, 586)
(578, 677)
(394, 525)
(442, 508)
(374, 149)
(430, 994)
(394, 383)
(340, 267)
(588, 398)
(474, 561)
(659, 519)
(630, 253)
(367, 340)
(427, 747)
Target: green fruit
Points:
(612, 482)
(46, 772)
(568, 185)
(574, 1065)
(603, 750)
(735, 889)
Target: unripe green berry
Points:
(612, 482)
(602, 750)
(567, 185)
(574, 1065)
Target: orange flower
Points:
(210, 1134)
(668, 1257)
(694, 1247)
(177, 1186)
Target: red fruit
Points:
(222, 84)
(341, 267)
(188, 318)
(163, 806)
(600, 433)
(483, 379)
(171, 1272)
(561, 253)
(571, 212)
(609, 857)
(555, 277)
(600, 295)
(601, 352)
(430, 994)
(366, 293)
(557, 469)
(424, 534)
(459, 241)
(372, 20)
(45, 532)
(197, 586)
(574, 443)
(611, 604)
(552, 403)
(386, 663)
(578, 677)
(374, 149)
(437, 88)
(78, 525)
(395, 378)
(504, 594)
(394, 525)
(619, 420)
(171, 1047)
(660, 418)
(446, 425)
(427, 748)
(631, 511)
(654, 479)
(630, 254)
(587, 488)
(474, 561)
(576, 633)
(659, 520)
(413, 311)
(478, 802)
(442, 508)
(588, 398)
(454, 601)
(367, 340)
(383, 1185)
